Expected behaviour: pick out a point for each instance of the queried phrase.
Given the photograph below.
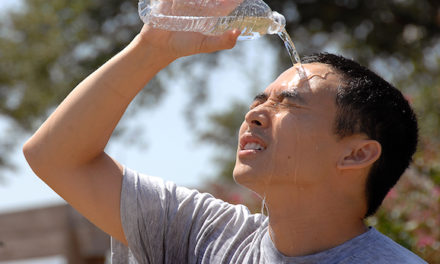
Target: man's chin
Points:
(245, 177)
(240, 173)
(239, 176)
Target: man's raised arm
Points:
(67, 151)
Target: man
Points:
(322, 151)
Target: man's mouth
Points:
(253, 146)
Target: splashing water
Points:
(293, 54)
(296, 62)
(263, 204)
(294, 57)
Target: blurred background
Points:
(183, 125)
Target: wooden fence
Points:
(51, 231)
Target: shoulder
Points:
(153, 194)
(378, 248)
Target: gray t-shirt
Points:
(164, 223)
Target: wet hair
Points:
(367, 104)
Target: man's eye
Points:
(288, 104)
(274, 104)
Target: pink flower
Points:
(425, 240)
(392, 194)
(235, 198)
(436, 191)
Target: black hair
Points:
(368, 104)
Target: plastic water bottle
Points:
(212, 17)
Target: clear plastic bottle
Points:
(212, 17)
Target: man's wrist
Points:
(145, 42)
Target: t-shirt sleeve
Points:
(164, 223)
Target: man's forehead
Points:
(315, 75)
(309, 68)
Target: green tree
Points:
(47, 48)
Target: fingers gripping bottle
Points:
(212, 17)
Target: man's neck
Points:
(306, 222)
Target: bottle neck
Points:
(279, 22)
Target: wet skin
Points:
(291, 126)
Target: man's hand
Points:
(169, 45)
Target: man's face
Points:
(287, 137)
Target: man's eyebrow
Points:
(292, 95)
(261, 97)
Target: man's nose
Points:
(257, 117)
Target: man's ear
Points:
(360, 155)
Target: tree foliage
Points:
(48, 47)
